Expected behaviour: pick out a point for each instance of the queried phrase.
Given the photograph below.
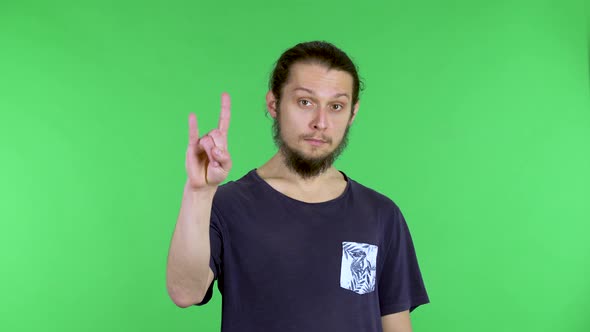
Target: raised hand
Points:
(207, 159)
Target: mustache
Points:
(313, 136)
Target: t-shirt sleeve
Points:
(216, 242)
(401, 286)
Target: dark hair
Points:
(315, 52)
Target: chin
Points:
(314, 152)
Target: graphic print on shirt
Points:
(359, 267)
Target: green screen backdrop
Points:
(475, 120)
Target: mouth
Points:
(316, 141)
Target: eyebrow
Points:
(313, 93)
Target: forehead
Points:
(319, 78)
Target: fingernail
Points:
(217, 151)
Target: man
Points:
(295, 245)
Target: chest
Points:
(292, 239)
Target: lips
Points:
(319, 140)
(315, 141)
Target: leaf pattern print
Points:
(359, 267)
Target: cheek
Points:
(288, 127)
(341, 122)
(293, 122)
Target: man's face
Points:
(312, 120)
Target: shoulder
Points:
(372, 197)
(241, 190)
(235, 186)
(389, 218)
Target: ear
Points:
(271, 104)
(355, 111)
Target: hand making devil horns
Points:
(207, 159)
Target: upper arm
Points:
(216, 244)
(398, 322)
(207, 292)
(400, 282)
(210, 278)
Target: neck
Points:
(276, 168)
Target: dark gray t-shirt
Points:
(286, 265)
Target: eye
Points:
(337, 107)
(304, 102)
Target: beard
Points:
(306, 167)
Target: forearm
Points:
(398, 322)
(187, 268)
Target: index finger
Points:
(193, 129)
(225, 113)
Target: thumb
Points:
(222, 157)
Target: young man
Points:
(294, 245)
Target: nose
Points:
(320, 121)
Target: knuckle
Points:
(206, 140)
(215, 133)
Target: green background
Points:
(475, 121)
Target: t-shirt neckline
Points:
(334, 200)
